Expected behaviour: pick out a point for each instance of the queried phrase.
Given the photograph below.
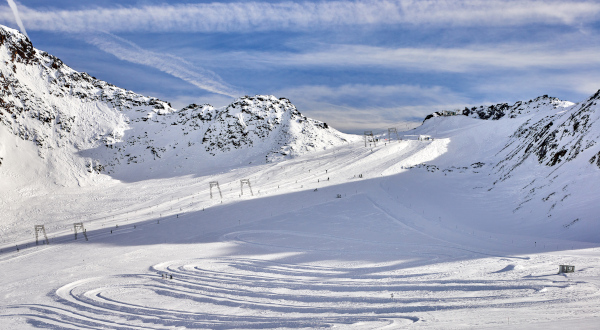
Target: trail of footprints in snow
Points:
(250, 293)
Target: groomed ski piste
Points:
(404, 234)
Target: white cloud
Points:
(569, 86)
(262, 16)
(466, 59)
(358, 106)
(376, 94)
(175, 66)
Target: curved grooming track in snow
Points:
(252, 293)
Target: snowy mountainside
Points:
(556, 159)
(59, 110)
(82, 127)
(64, 127)
(542, 154)
(252, 129)
(558, 137)
(546, 128)
(250, 119)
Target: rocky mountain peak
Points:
(85, 126)
(504, 110)
(18, 45)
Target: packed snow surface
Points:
(460, 223)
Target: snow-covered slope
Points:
(46, 104)
(542, 154)
(553, 158)
(350, 237)
(557, 137)
(251, 130)
(82, 126)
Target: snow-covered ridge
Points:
(252, 119)
(552, 131)
(556, 138)
(543, 153)
(84, 126)
(60, 110)
(252, 129)
(545, 104)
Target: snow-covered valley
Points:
(462, 230)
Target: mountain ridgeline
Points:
(72, 127)
(543, 154)
(60, 127)
(68, 114)
(554, 131)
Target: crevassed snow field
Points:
(406, 246)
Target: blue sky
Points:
(354, 64)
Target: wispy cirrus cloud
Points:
(287, 15)
(398, 60)
(353, 107)
(375, 95)
(464, 59)
(582, 83)
(175, 66)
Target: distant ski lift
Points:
(79, 226)
(39, 229)
(246, 182)
(215, 184)
(370, 138)
(392, 131)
